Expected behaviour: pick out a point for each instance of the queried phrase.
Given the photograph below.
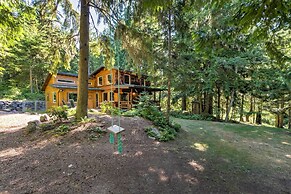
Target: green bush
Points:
(58, 113)
(131, 113)
(61, 130)
(108, 108)
(145, 109)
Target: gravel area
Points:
(15, 120)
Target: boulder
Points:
(32, 125)
(43, 118)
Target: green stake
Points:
(119, 143)
(111, 138)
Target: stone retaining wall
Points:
(22, 106)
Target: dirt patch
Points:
(41, 163)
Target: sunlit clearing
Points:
(196, 166)
(200, 146)
(286, 143)
(200, 128)
(160, 172)
(138, 153)
(11, 153)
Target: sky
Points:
(76, 6)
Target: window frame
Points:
(98, 83)
(72, 93)
(54, 97)
(109, 95)
(129, 77)
(103, 99)
(109, 83)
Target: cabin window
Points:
(127, 79)
(111, 96)
(65, 81)
(54, 97)
(72, 96)
(105, 95)
(100, 81)
(109, 79)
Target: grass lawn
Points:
(242, 153)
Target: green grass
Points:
(242, 147)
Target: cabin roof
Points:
(59, 73)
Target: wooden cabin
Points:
(102, 86)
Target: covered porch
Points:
(129, 95)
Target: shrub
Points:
(131, 113)
(61, 130)
(145, 109)
(108, 108)
(58, 113)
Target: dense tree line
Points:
(229, 59)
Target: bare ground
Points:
(41, 163)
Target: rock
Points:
(46, 126)
(32, 125)
(43, 118)
(156, 132)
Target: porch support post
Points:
(131, 98)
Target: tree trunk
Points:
(169, 66)
(259, 114)
(230, 106)
(280, 115)
(289, 117)
(184, 102)
(218, 102)
(254, 109)
(82, 102)
(30, 79)
(200, 103)
(241, 113)
(251, 110)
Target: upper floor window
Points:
(100, 81)
(65, 81)
(126, 79)
(109, 79)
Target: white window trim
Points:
(109, 97)
(108, 83)
(98, 81)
